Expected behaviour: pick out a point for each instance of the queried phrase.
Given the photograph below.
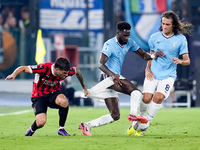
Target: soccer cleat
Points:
(29, 132)
(131, 130)
(140, 119)
(139, 133)
(85, 129)
(62, 132)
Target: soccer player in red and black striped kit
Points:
(46, 91)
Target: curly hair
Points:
(179, 27)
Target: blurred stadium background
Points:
(77, 29)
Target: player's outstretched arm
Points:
(80, 78)
(149, 56)
(18, 71)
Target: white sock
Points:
(153, 110)
(135, 100)
(142, 108)
(60, 127)
(101, 121)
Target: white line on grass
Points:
(16, 113)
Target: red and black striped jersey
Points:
(45, 80)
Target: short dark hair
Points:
(62, 64)
(123, 25)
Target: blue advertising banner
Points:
(144, 17)
(71, 15)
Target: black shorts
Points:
(40, 104)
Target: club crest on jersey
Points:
(174, 44)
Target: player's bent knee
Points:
(147, 99)
(61, 100)
(41, 123)
(115, 116)
(64, 103)
(41, 119)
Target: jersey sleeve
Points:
(133, 45)
(72, 71)
(183, 47)
(37, 68)
(151, 43)
(107, 49)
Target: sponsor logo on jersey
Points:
(106, 49)
(50, 83)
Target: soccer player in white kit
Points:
(110, 63)
(161, 72)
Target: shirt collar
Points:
(52, 70)
(118, 42)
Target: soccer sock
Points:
(63, 115)
(60, 127)
(34, 126)
(101, 121)
(135, 100)
(153, 110)
(142, 108)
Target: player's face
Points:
(61, 73)
(167, 26)
(123, 37)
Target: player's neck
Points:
(119, 42)
(167, 35)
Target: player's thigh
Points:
(127, 87)
(39, 105)
(150, 86)
(165, 86)
(58, 99)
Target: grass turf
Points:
(175, 128)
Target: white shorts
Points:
(162, 86)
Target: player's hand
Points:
(158, 54)
(176, 60)
(86, 92)
(12, 77)
(116, 80)
(149, 75)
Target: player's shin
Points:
(63, 112)
(135, 100)
(101, 121)
(34, 126)
(153, 110)
(142, 108)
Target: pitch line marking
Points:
(16, 113)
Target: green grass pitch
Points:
(171, 129)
